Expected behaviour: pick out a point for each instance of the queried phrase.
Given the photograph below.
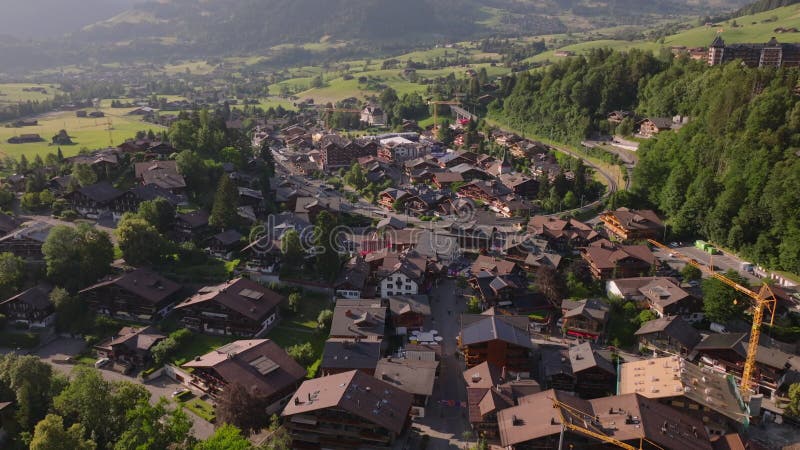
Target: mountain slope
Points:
(30, 19)
(249, 24)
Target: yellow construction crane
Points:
(577, 416)
(763, 299)
(436, 104)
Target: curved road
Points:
(612, 184)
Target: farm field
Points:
(14, 93)
(86, 132)
(338, 88)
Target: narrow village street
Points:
(446, 414)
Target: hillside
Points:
(36, 19)
(758, 27)
(249, 25)
(731, 175)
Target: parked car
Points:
(101, 362)
(718, 327)
(179, 392)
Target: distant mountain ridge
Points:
(250, 24)
(36, 19)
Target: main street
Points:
(443, 423)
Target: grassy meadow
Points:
(86, 132)
(15, 93)
(756, 28)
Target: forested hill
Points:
(732, 175)
(763, 5)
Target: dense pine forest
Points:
(732, 175)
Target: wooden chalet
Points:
(629, 224)
(131, 346)
(347, 410)
(26, 242)
(239, 307)
(669, 334)
(259, 365)
(98, 199)
(139, 295)
(31, 307)
(586, 319)
(607, 260)
(502, 340)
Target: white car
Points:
(179, 392)
(101, 362)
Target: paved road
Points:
(160, 387)
(445, 425)
(723, 262)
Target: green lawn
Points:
(203, 409)
(756, 28)
(86, 132)
(199, 345)
(211, 271)
(12, 340)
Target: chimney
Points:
(503, 374)
(297, 400)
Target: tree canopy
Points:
(77, 256)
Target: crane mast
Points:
(763, 299)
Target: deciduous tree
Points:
(12, 273)
(721, 302)
(155, 427)
(50, 434)
(77, 256)
(242, 408)
(140, 242)
(158, 212)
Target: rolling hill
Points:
(755, 28)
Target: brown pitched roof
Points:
(673, 326)
(242, 295)
(643, 219)
(359, 319)
(411, 375)
(141, 338)
(605, 258)
(358, 394)
(258, 364)
(144, 283)
(495, 266)
(38, 297)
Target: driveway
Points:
(160, 387)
